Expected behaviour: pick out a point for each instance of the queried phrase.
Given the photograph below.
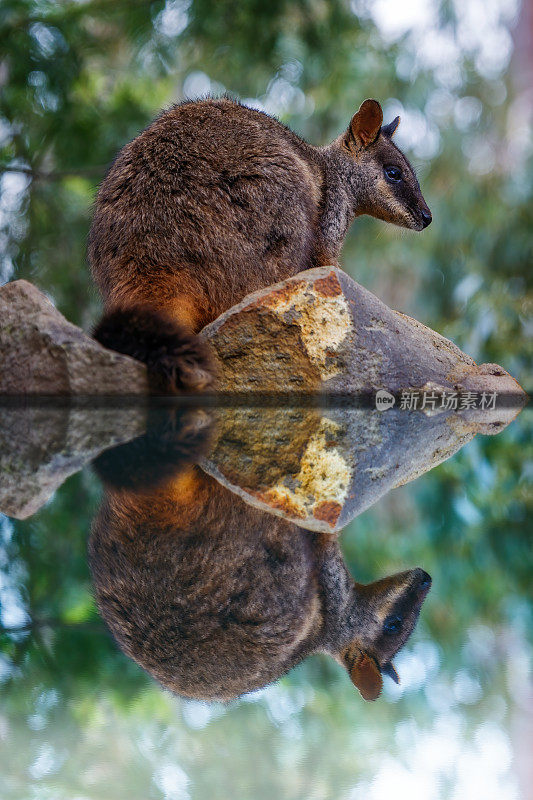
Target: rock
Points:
(41, 446)
(320, 334)
(321, 467)
(41, 353)
(320, 331)
(313, 465)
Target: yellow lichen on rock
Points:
(322, 314)
(321, 485)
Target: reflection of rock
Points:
(317, 332)
(42, 353)
(320, 468)
(321, 331)
(41, 446)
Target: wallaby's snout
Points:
(383, 180)
(425, 213)
(422, 578)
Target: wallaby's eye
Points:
(392, 174)
(392, 624)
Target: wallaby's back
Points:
(212, 597)
(212, 201)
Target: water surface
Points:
(80, 718)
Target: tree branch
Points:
(40, 175)
(52, 623)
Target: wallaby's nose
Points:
(423, 583)
(426, 216)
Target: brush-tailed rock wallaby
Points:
(215, 200)
(215, 598)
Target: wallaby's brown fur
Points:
(215, 200)
(215, 598)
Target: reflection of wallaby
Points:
(215, 200)
(215, 598)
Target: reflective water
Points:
(213, 547)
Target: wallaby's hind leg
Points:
(177, 360)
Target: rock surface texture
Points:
(317, 335)
(40, 447)
(43, 354)
(317, 332)
(320, 331)
(321, 467)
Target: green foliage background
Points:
(79, 79)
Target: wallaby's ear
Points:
(366, 124)
(389, 130)
(365, 674)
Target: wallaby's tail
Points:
(177, 361)
(174, 438)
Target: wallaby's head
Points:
(381, 178)
(384, 615)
